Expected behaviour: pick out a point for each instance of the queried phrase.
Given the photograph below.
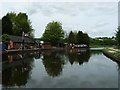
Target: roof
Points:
(18, 39)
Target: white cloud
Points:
(59, 0)
(97, 19)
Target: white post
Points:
(22, 40)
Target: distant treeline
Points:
(103, 41)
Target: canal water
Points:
(59, 69)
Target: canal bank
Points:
(112, 53)
(28, 50)
(44, 49)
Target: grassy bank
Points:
(101, 46)
(112, 53)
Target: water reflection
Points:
(17, 68)
(78, 56)
(53, 63)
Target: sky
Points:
(97, 18)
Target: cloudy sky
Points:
(95, 18)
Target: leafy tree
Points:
(65, 39)
(53, 33)
(23, 23)
(12, 16)
(5, 38)
(20, 23)
(118, 36)
(6, 25)
(71, 38)
(79, 38)
(86, 39)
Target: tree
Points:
(20, 23)
(118, 36)
(12, 16)
(86, 39)
(6, 25)
(71, 38)
(23, 24)
(79, 38)
(5, 38)
(103, 41)
(53, 33)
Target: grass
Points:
(100, 46)
(117, 54)
(114, 52)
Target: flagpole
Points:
(22, 40)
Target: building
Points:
(38, 42)
(17, 42)
(47, 45)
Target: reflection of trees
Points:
(4, 57)
(37, 55)
(78, 57)
(17, 72)
(53, 63)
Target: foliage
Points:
(71, 38)
(5, 38)
(17, 23)
(118, 36)
(6, 25)
(23, 23)
(86, 39)
(53, 32)
(117, 54)
(103, 41)
(78, 38)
